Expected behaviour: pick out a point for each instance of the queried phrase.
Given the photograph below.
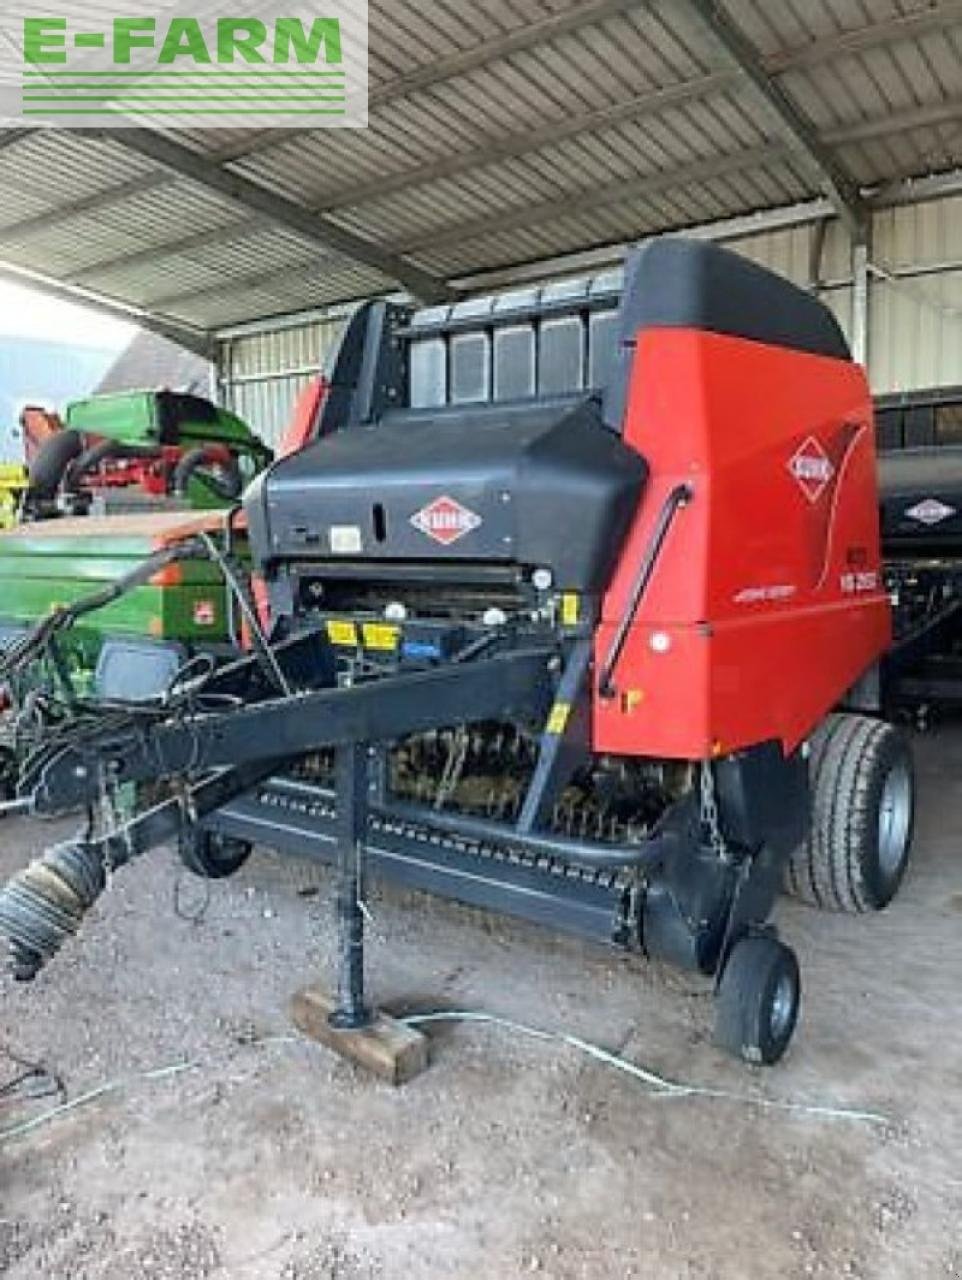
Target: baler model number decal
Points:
(811, 469)
(856, 583)
(445, 520)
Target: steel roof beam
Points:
(938, 186)
(936, 113)
(250, 196)
(496, 148)
(610, 256)
(700, 170)
(874, 35)
(194, 339)
(838, 184)
(239, 284)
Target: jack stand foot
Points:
(344, 1020)
(387, 1048)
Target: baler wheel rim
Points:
(894, 819)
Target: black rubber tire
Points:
(212, 856)
(758, 999)
(855, 761)
(49, 466)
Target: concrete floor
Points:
(510, 1156)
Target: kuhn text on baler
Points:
(581, 656)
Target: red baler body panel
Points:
(303, 423)
(767, 599)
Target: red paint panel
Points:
(300, 430)
(768, 588)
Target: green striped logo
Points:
(269, 68)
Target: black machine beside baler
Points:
(920, 492)
(575, 611)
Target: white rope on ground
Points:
(117, 1086)
(658, 1086)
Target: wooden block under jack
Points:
(388, 1048)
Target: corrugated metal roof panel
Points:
(56, 169)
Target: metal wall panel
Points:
(915, 293)
(262, 373)
(915, 311)
(915, 332)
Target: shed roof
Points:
(501, 132)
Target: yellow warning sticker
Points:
(570, 609)
(380, 635)
(558, 720)
(342, 633)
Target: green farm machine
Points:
(125, 451)
(110, 486)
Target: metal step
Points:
(300, 818)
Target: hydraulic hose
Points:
(91, 458)
(43, 906)
(198, 462)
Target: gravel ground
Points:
(270, 1159)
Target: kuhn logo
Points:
(931, 511)
(205, 613)
(812, 469)
(445, 520)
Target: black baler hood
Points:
(543, 484)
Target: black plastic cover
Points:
(176, 407)
(366, 372)
(676, 283)
(920, 492)
(538, 484)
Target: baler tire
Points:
(50, 465)
(758, 999)
(212, 856)
(862, 817)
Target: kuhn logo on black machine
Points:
(445, 520)
(931, 511)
